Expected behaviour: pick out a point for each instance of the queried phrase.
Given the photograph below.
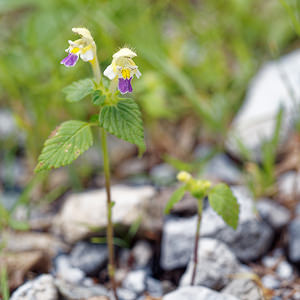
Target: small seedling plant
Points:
(220, 198)
(118, 116)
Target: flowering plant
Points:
(220, 198)
(118, 116)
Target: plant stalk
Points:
(200, 206)
(109, 229)
(109, 203)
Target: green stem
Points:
(200, 207)
(109, 228)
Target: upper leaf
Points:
(65, 144)
(124, 121)
(224, 203)
(176, 197)
(98, 98)
(78, 90)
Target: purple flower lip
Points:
(125, 85)
(70, 60)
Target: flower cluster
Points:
(122, 67)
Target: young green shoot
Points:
(220, 198)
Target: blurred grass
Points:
(196, 56)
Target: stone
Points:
(244, 289)
(76, 291)
(269, 261)
(83, 211)
(289, 184)
(294, 241)
(270, 282)
(65, 271)
(41, 288)
(273, 213)
(268, 92)
(250, 241)
(216, 263)
(197, 293)
(89, 257)
(27, 241)
(285, 270)
(135, 281)
(221, 168)
(142, 254)
(177, 242)
(154, 287)
(18, 264)
(124, 294)
(163, 174)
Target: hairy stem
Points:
(109, 228)
(200, 205)
(109, 203)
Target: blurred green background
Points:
(196, 57)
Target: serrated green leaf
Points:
(224, 203)
(78, 90)
(176, 197)
(98, 98)
(124, 120)
(65, 144)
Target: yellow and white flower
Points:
(123, 68)
(85, 48)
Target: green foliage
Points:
(224, 203)
(124, 120)
(176, 197)
(79, 90)
(65, 144)
(98, 98)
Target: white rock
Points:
(197, 293)
(268, 92)
(135, 281)
(289, 183)
(285, 270)
(216, 263)
(41, 288)
(270, 282)
(65, 271)
(244, 289)
(87, 210)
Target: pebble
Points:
(79, 291)
(294, 241)
(285, 270)
(250, 241)
(88, 257)
(244, 289)
(270, 282)
(273, 213)
(135, 281)
(142, 254)
(65, 271)
(82, 212)
(41, 288)
(216, 263)
(289, 183)
(197, 293)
